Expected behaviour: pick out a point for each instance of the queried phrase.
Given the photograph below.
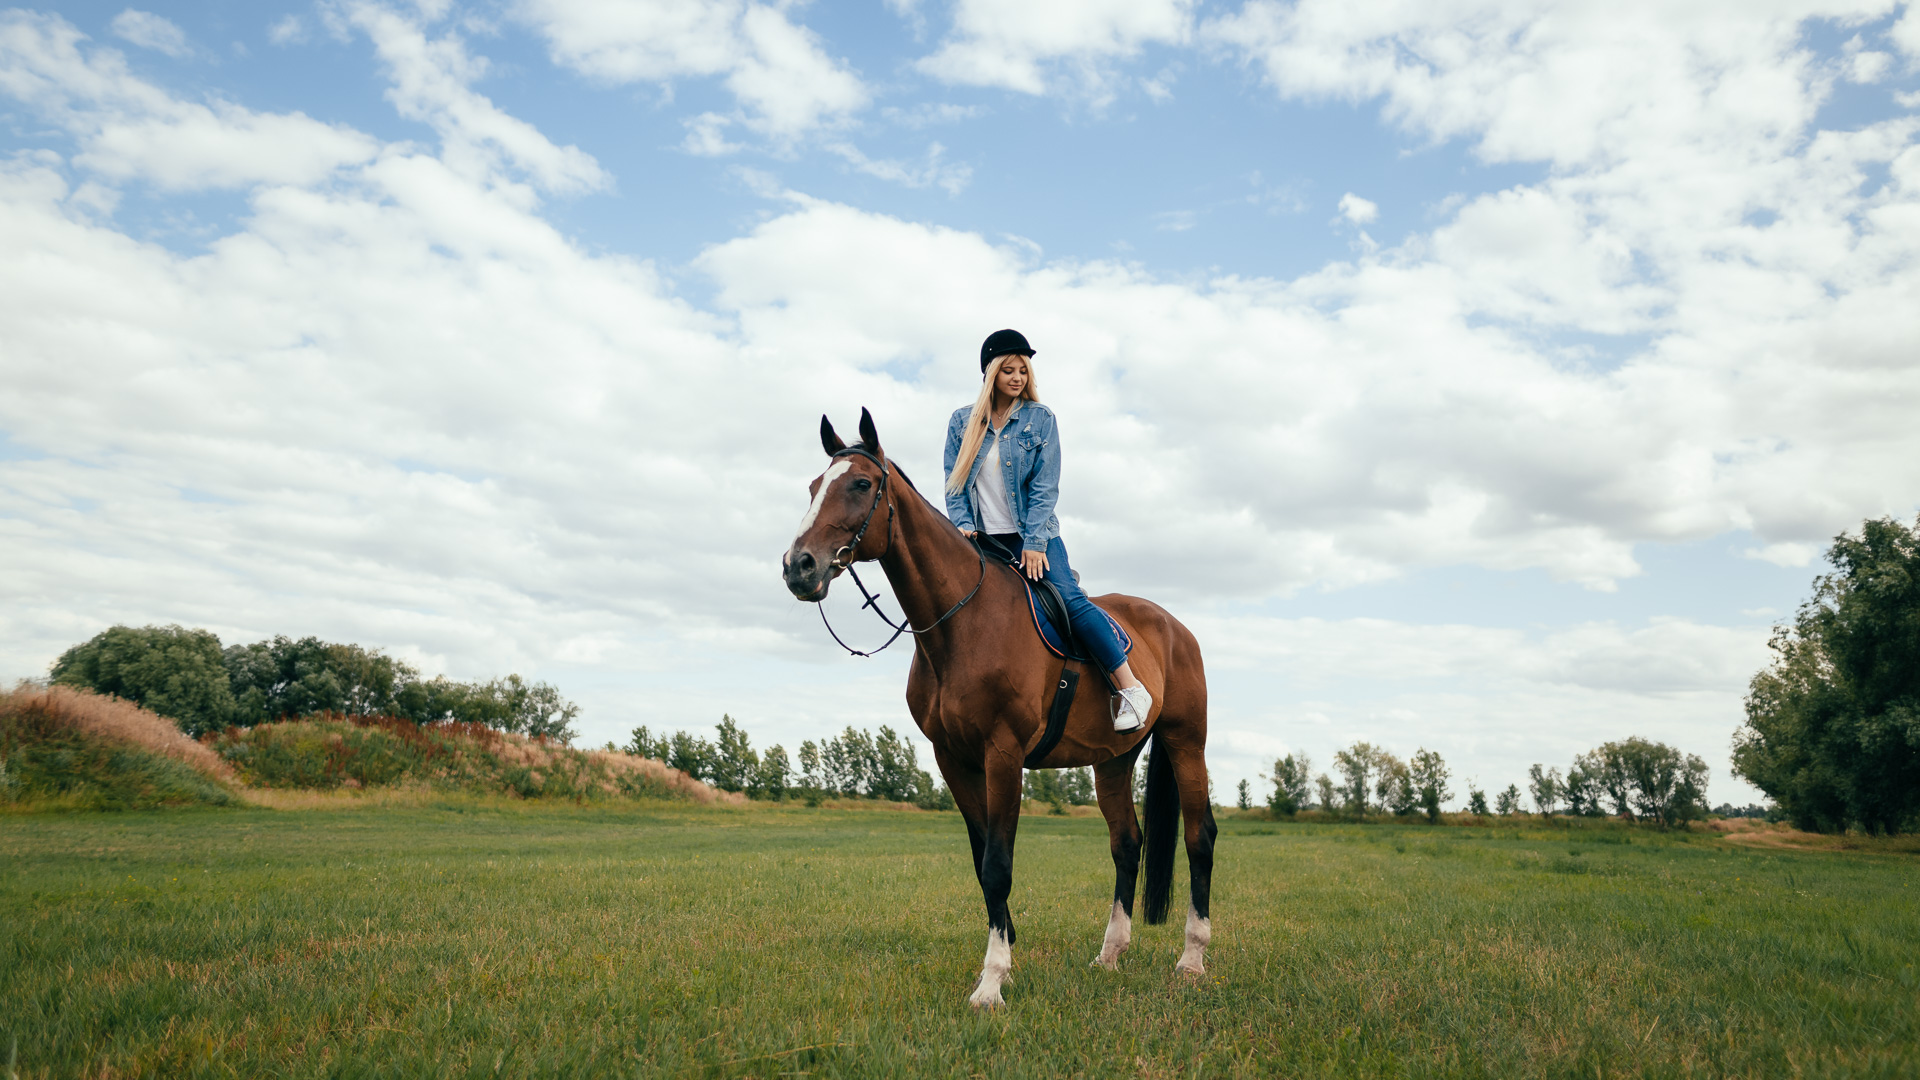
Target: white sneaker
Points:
(1135, 704)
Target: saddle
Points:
(1050, 620)
(1049, 609)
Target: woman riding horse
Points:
(982, 686)
(1011, 446)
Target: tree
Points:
(1645, 779)
(1430, 774)
(734, 766)
(1544, 787)
(691, 755)
(1043, 785)
(1606, 771)
(174, 671)
(771, 778)
(1476, 801)
(1508, 801)
(645, 744)
(1245, 799)
(809, 766)
(1323, 786)
(894, 774)
(1357, 764)
(1290, 784)
(1580, 790)
(846, 763)
(1832, 729)
(1395, 786)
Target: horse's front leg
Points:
(1000, 820)
(1113, 782)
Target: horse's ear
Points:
(867, 434)
(828, 439)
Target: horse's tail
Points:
(1162, 829)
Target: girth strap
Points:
(1056, 718)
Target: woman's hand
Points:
(968, 533)
(1034, 563)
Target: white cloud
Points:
(1358, 210)
(778, 70)
(431, 83)
(287, 30)
(150, 31)
(127, 129)
(706, 136)
(1032, 48)
(936, 172)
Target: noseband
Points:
(843, 560)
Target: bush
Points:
(335, 751)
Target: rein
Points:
(843, 560)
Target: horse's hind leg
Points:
(1196, 811)
(1113, 781)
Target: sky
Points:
(1487, 377)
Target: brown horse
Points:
(981, 684)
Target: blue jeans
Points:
(1095, 633)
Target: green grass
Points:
(70, 771)
(475, 938)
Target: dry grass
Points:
(103, 716)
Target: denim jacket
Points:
(1030, 454)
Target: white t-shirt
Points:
(990, 488)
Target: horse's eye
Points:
(863, 484)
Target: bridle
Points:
(843, 560)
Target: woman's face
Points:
(1013, 376)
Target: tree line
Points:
(855, 764)
(188, 677)
(1637, 778)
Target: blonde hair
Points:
(982, 413)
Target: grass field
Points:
(471, 938)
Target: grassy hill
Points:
(66, 749)
(70, 749)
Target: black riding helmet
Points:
(1000, 343)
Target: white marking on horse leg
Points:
(834, 472)
(1193, 961)
(993, 971)
(1119, 936)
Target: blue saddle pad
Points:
(1050, 633)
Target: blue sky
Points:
(1478, 376)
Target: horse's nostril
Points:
(804, 561)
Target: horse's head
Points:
(848, 498)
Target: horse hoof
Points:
(1190, 967)
(984, 1001)
(1112, 964)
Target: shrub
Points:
(334, 751)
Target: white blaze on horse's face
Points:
(834, 472)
